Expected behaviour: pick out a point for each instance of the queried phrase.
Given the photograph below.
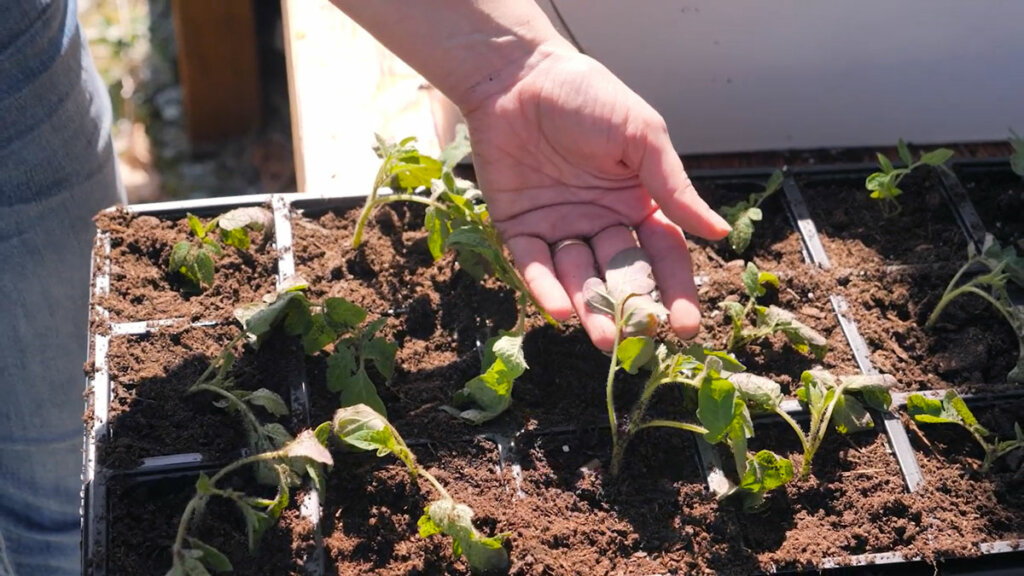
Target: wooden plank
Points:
(345, 86)
(218, 67)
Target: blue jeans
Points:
(56, 171)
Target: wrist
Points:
(487, 78)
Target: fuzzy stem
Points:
(190, 509)
(796, 427)
(818, 430)
(965, 289)
(374, 201)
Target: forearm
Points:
(468, 49)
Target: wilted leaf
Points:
(210, 557)
(307, 446)
(270, 401)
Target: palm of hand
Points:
(571, 152)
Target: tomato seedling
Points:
(194, 259)
(456, 219)
(768, 320)
(952, 410)
(884, 184)
(193, 557)
(1001, 265)
(742, 215)
(362, 428)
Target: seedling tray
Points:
(506, 443)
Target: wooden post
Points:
(218, 67)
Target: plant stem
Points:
(819, 428)
(196, 500)
(696, 429)
(796, 427)
(609, 390)
(966, 288)
(371, 203)
(247, 414)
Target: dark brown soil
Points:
(150, 412)
(775, 245)
(925, 231)
(143, 289)
(564, 513)
(144, 519)
(999, 201)
(971, 347)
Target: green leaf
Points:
(341, 366)
(277, 434)
(904, 152)
(754, 280)
(343, 315)
(743, 229)
(270, 401)
(872, 388)
(256, 523)
(717, 407)
(196, 226)
(426, 526)
(381, 352)
(491, 392)
(204, 268)
(801, 337)
(849, 416)
(773, 184)
(758, 392)
(360, 390)
(458, 149)
(211, 557)
(290, 308)
(484, 555)
(236, 237)
(877, 181)
(766, 471)
(415, 171)
(884, 163)
(203, 485)
(629, 272)
(950, 410)
(318, 334)
(598, 298)
(250, 217)
(438, 230)
(364, 428)
(634, 352)
(936, 157)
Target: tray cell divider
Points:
(895, 432)
(966, 215)
(311, 506)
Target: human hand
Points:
(575, 167)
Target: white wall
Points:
(739, 75)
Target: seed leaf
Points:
(936, 157)
(491, 392)
(718, 407)
(270, 401)
(628, 273)
(635, 352)
(307, 446)
(598, 298)
(484, 554)
(759, 393)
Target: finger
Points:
(609, 242)
(666, 247)
(574, 264)
(661, 173)
(533, 259)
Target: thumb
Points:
(661, 173)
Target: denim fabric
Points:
(56, 172)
